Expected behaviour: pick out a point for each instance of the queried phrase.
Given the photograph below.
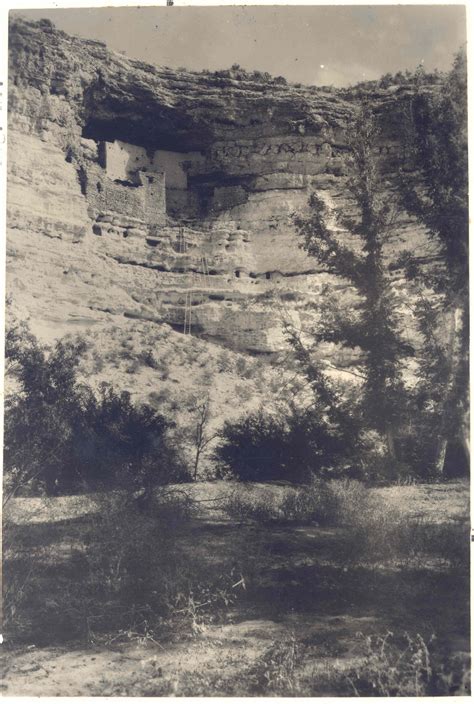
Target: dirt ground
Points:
(300, 597)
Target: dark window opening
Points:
(267, 275)
(99, 186)
(102, 154)
(82, 176)
(128, 184)
(237, 273)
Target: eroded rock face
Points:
(163, 196)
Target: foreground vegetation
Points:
(326, 589)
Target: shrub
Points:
(241, 366)
(244, 392)
(374, 532)
(142, 575)
(21, 566)
(244, 503)
(392, 665)
(128, 575)
(59, 435)
(262, 447)
(318, 503)
(147, 358)
(127, 445)
(379, 533)
(224, 362)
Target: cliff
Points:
(142, 193)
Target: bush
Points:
(244, 503)
(316, 503)
(263, 447)
(60, 436)
(241, 366)
(21, 566)
(148, 359)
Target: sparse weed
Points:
(205, 602)
(399, 666)
(276, 671)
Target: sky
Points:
(321, 45)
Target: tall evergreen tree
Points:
(434, 188)
(351, 247)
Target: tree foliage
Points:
(433, 183)
(60, 436)
(434, 171)
(349, 243)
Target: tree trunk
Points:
(196, 462)
(390, 444)
(440, 456)
(450, 402)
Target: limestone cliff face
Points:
(166, 196)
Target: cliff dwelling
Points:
(189, 190)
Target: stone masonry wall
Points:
(122, 160)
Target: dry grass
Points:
(376, 528)
(183, 585)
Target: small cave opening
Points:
(157, 128)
